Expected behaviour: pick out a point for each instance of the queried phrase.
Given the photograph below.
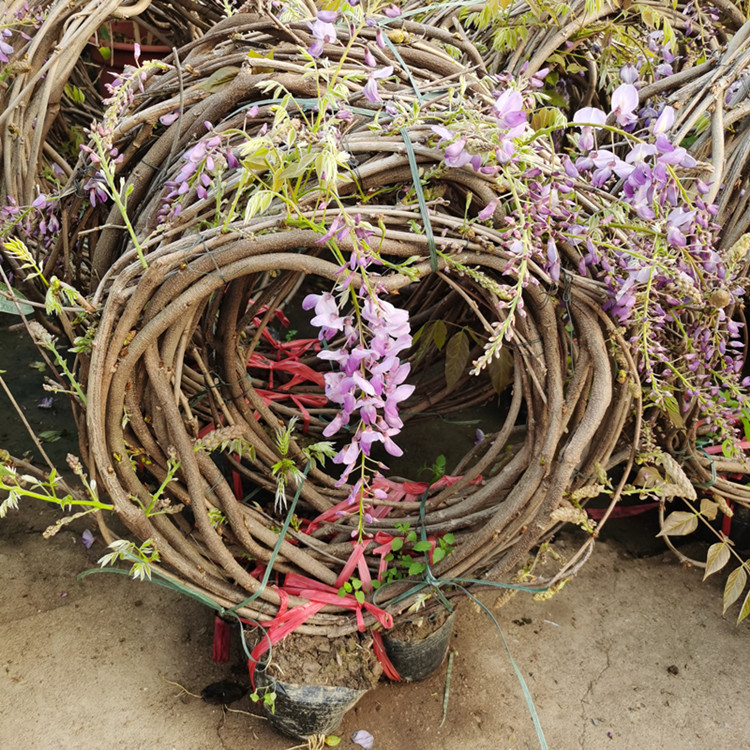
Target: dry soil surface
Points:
(633, 653)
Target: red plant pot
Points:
(121, 46)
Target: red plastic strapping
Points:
(222, 640)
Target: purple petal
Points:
(371, 91)
(169, 119)
(629, 73)
(488, 210)
(624, 101)
(87, 539)
(363, 739)
(665, 121)
(590, 116)
(444, 133)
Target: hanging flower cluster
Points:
(653, 243)
(204, 163)
(368, 382)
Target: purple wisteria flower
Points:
(624, 103)
(371, 87)
(367, 381)
(327, 316)
(203, 162)
(6, 50)
(323, 31)
(589, 118)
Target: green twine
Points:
(420, 198)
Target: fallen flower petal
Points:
(363, 739)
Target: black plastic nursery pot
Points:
(310, 682)
(416, 656)
(304, 710)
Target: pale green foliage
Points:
(48, 488)
(141, 556)
(318, 452)
(84, 344)
(216, 517)
(266, 695)
(43, 338)
(295, 155)
(285, 471)
(229, 439)
(159, 504)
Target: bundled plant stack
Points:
(304, 245)
(327, 178)
(48, 92)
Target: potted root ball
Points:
(309, 682)
(416, 647)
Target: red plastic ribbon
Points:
(395, 493)
(222, 640)
(621, 512)
(318, 595)
(388, 669)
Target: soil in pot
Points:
(417, 648)
(316, 681)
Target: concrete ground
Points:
(634, 654)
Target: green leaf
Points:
(416, 568)
(673, 412)
(500, 369)
(745, 611)
(456, 358)
(449, 538)
(397, 544)
(8, 306)
(411, 536)
(736, 581)
(422, 546)
(50, 436)
(258, 204)
(548, 117)
(360, 596)
(332, 740)
(220, 78)
(717, 557)
(728, 449)
(438, 554)
(439, 334)
(679, 523)
(297, 168)
(426, 339)
(105, 52)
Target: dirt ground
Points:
(633, 653)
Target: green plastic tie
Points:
(420, 198)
